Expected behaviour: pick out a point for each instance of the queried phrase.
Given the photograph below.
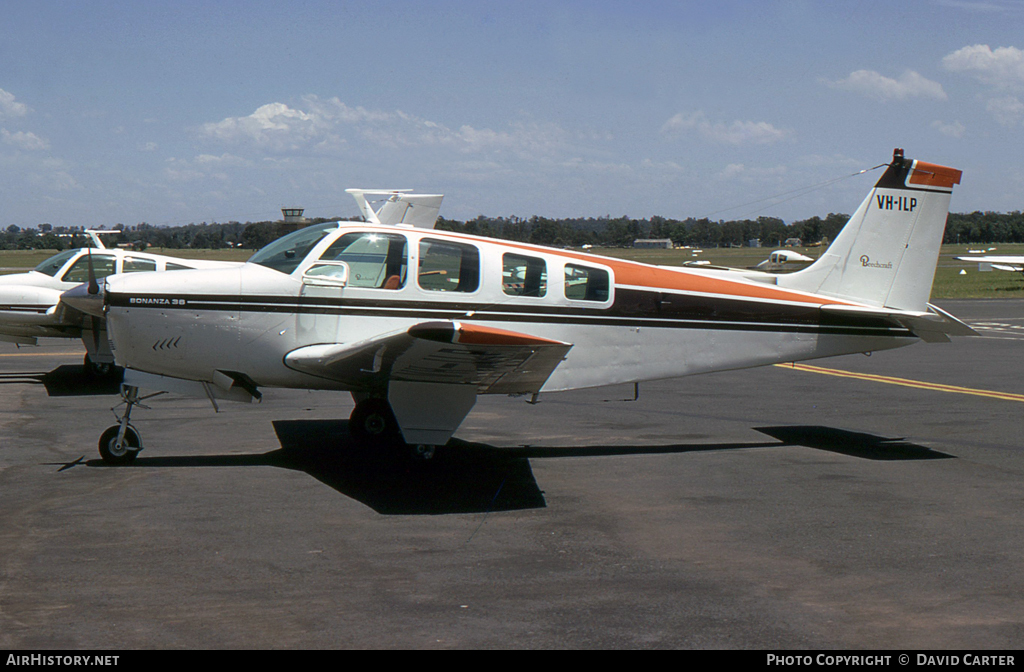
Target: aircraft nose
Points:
(87, 299)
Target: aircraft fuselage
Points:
(640, 323)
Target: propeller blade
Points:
(94, 286)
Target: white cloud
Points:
(1002, 68)
(953, 130)
(1008, 111)
(981, 7)
(222, 160)
(329, 126)
(874, 85)
(10, 108)
(736, 133)
(23, 140)
(274, 125)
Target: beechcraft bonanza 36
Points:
(416, 323)
(30, 305)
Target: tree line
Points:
(962, 228)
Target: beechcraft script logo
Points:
(866, 262)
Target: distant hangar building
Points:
(653, 243)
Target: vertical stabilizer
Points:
(886, 254)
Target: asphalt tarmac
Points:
(776, 508)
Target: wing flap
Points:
(496, 361)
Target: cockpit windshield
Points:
(285, 254)
(55, 263)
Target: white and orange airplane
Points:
(416, 323)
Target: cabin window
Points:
(583, 283)
(102, 265)
(171, 266)
(448, 267)
(133, 265)
(379, 260)
(523, 276)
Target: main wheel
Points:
(98, 369)
(424, 452)
(126, 453)
(373, 422)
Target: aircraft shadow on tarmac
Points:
(854, 444)
(468, 477)
(69, 381)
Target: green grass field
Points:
(949, 282)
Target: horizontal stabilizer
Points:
(934, 325)
(419, 210)
(496, 361)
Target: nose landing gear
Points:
(121, 443)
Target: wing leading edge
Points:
(494, 361)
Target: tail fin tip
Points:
(886, 254)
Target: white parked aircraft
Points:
(416, 323)
(30, 305)
(1000, 262)
(778, 260)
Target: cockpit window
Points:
(285, 254)
(55, 263)
(102, 266)
(374, 259)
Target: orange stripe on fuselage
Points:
(646, 276)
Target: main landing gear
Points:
(121, 443)
(372, 423)
(96, 369)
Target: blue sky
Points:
(124, 112)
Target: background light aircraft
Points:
(778, 260)
(416, 323)
(30, 305)
(1000, 262)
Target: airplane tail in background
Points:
(886, 254)
(419, 210)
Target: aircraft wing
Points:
(495, 360)
(994, 258)
(934, 325)
(998, 262)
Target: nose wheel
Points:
(121, 443)
(120, 450)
